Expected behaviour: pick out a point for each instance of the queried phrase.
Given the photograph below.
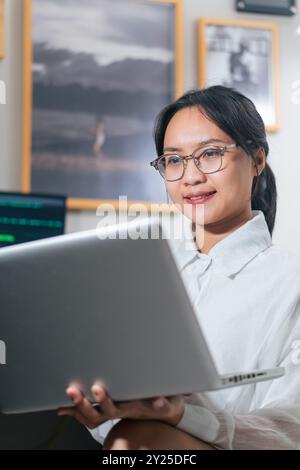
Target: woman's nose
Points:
(192, 174)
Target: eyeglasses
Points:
(207, 160)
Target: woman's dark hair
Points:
(237, 116)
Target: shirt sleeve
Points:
(273, 420)
(268, 428)
(100, 433)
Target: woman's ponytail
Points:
(264, 195)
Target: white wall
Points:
(284, 157)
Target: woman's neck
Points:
(209, 235)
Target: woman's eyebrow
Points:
(199, 145)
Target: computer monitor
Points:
(28, 217)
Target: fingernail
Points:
(71, 396)
(98, 386)
(96, 390)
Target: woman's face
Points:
(187, 131)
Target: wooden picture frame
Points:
(243, 55)
(31, 53)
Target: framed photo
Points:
(96, 74)
(2, 29)
(243, 55)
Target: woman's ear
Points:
(260, 159)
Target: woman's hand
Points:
(169, 410)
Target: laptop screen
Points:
(28, 217)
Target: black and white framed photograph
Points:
(97, 72)
(242, 55)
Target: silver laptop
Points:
(99, 305)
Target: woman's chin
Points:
(199, 214)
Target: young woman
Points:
(213, 152)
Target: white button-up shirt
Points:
(246, 295)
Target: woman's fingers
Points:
(75, 394)
(164, 408)
(108, 407)
(152, 408)
(83, 406)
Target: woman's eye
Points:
(173, 160)
(211, 153)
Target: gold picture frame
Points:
(2, 5)
(86, 203)
(244, 55)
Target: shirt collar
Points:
(232, 253)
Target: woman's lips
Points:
(199, 199)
